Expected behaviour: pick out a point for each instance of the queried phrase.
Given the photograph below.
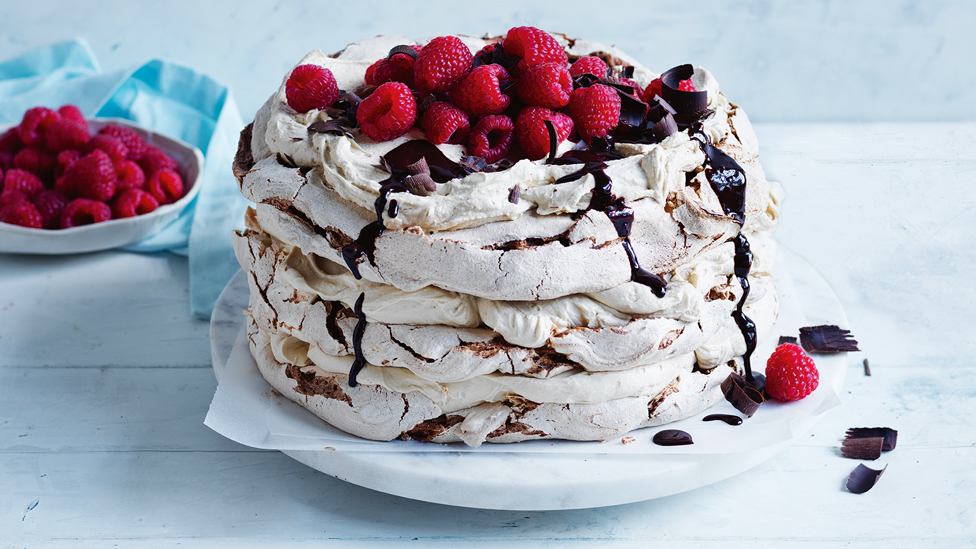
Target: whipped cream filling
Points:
(351, 166)
(571, 387)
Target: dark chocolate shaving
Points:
(862, 448)
(867, 368)
(495, 54)
(472, 164)
(631, 109)
(419, 167)
(286, 160)
(889, 435)
(743, 396)
(343, 111)
(627, 72)
(689, 105)
(514, 194)
(328, 126)
(672, 437)
(442, 169)
(420, 184)
(786, 339)
(863, 479)
(827, 339)
(553, 141)
(402, 49)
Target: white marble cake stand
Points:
(545, 481)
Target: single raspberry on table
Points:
(165, 186)
(546, 85)
(22, 181)
(491, 137)
(35, 122)
(35, 160)
(589, 65)
(445, 123)
(388, 112)
(66, 133)
(532, 133)
(311, 87)
(154, 160)
(652, 89)
(479, 93)
(790, 373)
(91, 176)
(84, 211)
(441, 64)
(50, 203)
(21, 213)
(133, 202)
(534, 46)
(393, 68)
(595, 110)
(132, 140)
(113, 147)
(129, 175)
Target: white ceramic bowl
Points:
(115, 232)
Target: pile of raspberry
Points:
(496, 101)
(56, 175)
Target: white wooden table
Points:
(105, 380)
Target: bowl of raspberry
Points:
(70, 184)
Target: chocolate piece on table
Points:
(889, 435)
(787, 339)
(863, 479)
(867, 368)
(862, 448)
(826, 339)
(743, 396)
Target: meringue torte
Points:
(500, 239)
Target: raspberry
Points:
(132, 140)
(133, 202)
(50, 204)
(491, 137)
(113, 147)
(72, 112)
(479, 92)
(311, 87)
(9, 197)
(589, 65)
(35, 160)
(91, 176)
(442, 63)
(595, 110)
(388, 112)
(130, 176)
(35, 123)
(790, 373)
(22, 181)
(686, 86)
(66, 133)
(534, 46)
(395, 68)
(65, 158)
(652, 89)
(532, 133)
(21, 213)
(445, 123)
(165, 186)
(83, 211)
(154, 160)
(10, 141)
(636, 93)
(547, 85)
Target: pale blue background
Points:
(826, 60)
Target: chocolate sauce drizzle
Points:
(620, 214)
(728, 180)
(727, 418)
(357, 340)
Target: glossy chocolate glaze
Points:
(727, 418)
(357, 340)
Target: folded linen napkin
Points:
(168, 98)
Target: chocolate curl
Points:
(664, 127)
(862, 448)
(889, 435)
(827, 339)
(419, 181)
(553, 141)
(867, 368)
(743, 396)
(419, 167)
(404, 49)
(514, 194)
(863, 479)
(688, 104)
(328, 126)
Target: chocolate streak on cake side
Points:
(357, 341)
(621, 215)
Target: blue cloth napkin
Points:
(168, 98)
